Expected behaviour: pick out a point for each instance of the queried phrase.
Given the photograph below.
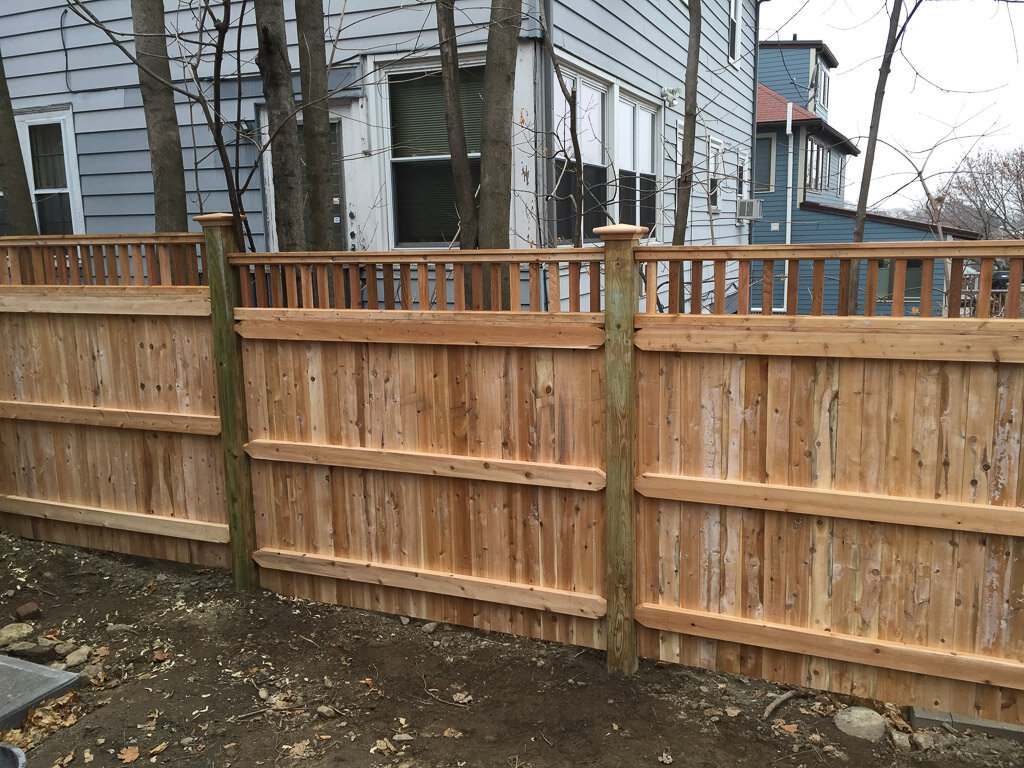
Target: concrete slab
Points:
(929, 718)
(24, 684)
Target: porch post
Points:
(621, 297)
(225, 295)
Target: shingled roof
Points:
(771, 110)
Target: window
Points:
(47, 145)
(764, 164)
(634, 157)
(590, 120)
(818, 166)
(735, 28)
(716, 173)
(821, 84)
(912, 290)
(424, 191)
(742, 164)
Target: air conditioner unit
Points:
(749, 209)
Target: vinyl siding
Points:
(787, 72)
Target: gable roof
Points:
(771, 111)
(823, 50)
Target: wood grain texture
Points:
(106, 300)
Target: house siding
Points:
(787, 72)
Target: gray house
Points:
(80, 118)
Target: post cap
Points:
(620, 232)
(216, 219)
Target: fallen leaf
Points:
(159, 748)
(368, 682)
(732, 711)
(324, 736)
(790, 728)
(53, 634)
(615, 726)
(299, 750)
(232, 744)
(63, 761)
(461, 697)
(99, 653)
(159, 656)
(87, 755)
(665, 758)
(128, 754)
(451, 733)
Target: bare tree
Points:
(496, 124)
(684, 184)
(21, 218)
(316, 121)
(465, 199)
(276, 72)
(987, 194)
(171, 214)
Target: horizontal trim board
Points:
(117, 520)
(70, 241)
(436, 582)
(850, 505)
(1008, 673)
(482, 257)
(435, 464)
(851, 337)
(191, 301)
(118, 418)
(901, 250)
(577, 330)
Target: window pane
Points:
(648, 200)
(625, 141)
(645, 142)
(425, 201)
(563, 141)
(418, 125)
(47, 145)
(595, 197)
(627, 197)
(763, 165)
(590, 104)
(54, 211)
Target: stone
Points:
(861, 723)
(931, 740)
(404, 620)
(325, 711)
(27, 611)
(63, 649)
(900, 740)
(91, 672)
(32, 651)
(13, 633)
(119, 629)
(430, 627)
(78, 656)
(402, 737)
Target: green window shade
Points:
(47, 145)
(418, 117)
(425, 210)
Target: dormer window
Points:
(821, 83)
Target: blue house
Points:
(800, 171)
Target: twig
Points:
(778, 702)
(429, 693)
(545, 738)
(267, 710)
(310, 641)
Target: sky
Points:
(958, 83)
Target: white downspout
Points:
(789, 174)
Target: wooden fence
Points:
(525, 443)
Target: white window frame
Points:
(742, 181)
(715, 171)
(735, 45)
(771, 166)
(65, 119)
(638, 106)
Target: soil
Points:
(201, 675)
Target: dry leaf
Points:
(87, 755)
(732, 711)
(325, 736)
(451, 733)
(159, 748)
(63, 761)
(368, 682)
(128, 754)
(299, 750)
(615, 726)
(159, 656)
(790, 728)
(461, 697)
(665, 758)
(99, 653)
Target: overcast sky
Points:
(969, 61)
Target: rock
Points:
(78, 656)
(402, 737)
(900, 740)
(63, 649)
(32, 651)
(10, 593)
(325, 711)
(931, 740)
(60, 666)
(404, 620)
(119, 629)
(47, 642)
(91, 672)
(27, 611)
(14, 633)
(861, 723)
(430, 627)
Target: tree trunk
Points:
(465, 200)
(684, 184)
(276, 71)
(316, 122)
(21, 219)
(169, 202)
(496, 124)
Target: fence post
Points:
(621, 297)
(219, 233)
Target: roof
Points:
(771, 111)
(960, 234)
(823, 50)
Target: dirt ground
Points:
(187, 672)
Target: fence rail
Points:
(110, 260)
